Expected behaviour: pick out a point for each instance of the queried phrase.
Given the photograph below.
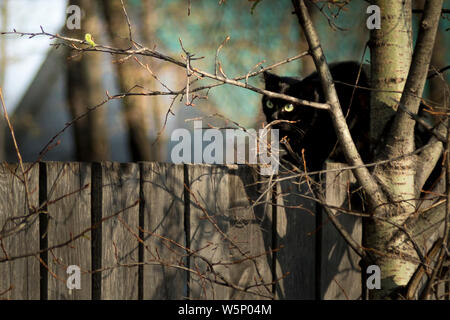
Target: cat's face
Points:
(289, 117)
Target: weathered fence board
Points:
(120, 247)
(209, 223)
(163, 232)
(229, 233)
(19, 279)
(69, 204)
(250, 233)
(340, 272)
(295, 232)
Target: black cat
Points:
(311, 129)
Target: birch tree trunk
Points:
(392, 189)
(390, 46)
(390, 58)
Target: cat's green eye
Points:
(269, 104)
(289, 107)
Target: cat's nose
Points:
(275, 115)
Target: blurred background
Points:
(45, 87)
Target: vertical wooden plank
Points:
(19, 279)
(69, 204)
(163, 212)
(228, 233)
(208, 197)
(250, 228)
(120, 245)
(295, 235)
(341, 275)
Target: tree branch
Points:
(428, 159)
(401, 135)
(345, 235)
(375, 195)
(443, 250)
(157, 55)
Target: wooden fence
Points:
(165, 231)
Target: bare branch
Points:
(419, 120)
(157, 55)
(413, 284)
(130, 35)
(216, 60)
(72, 239)
(373, 191)
(19, 156)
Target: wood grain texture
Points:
(340, 272)
(119, 278)
(68, 188)
(209, 185)
(295, 235)
(163, 220)
(216, 217)
(19, 279)
(250, 228)
(231, 235)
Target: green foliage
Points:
(90, 40)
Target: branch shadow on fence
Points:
(164, 231)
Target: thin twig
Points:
(72, 239)
(19, 156)
(157, 55)
(130, 33)
(216, 59)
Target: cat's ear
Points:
(271, 80)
